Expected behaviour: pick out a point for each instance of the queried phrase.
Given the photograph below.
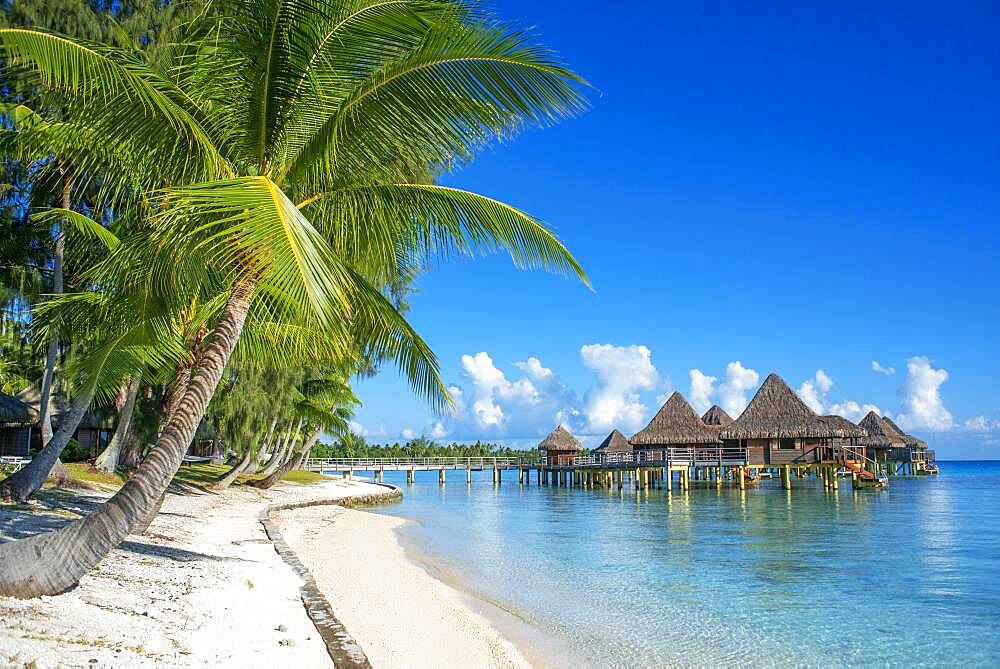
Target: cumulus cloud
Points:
(702, 390)
(923, 408)
(493, 404)
(852, 411)
(877, 367)
(622, 371)
(814, 393)
(982, 424)
(733, 391)
(408, 433)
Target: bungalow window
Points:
(787, 444)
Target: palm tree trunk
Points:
(48, 564)
(107, 461)
(44, 416)
(25, 482)
(278, 456)
(233, 473)
(290, 464)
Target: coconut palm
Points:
(286, 147)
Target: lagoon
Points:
(906, 576)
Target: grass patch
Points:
(82, 471)
(304, 477)
(200, 474)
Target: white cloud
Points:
(408, 434)
(877, 367)
(813, 391)
(497, 405)
(439, 431)
(534, 369)
(921, 397)
(622, 371)
(733, 391)
(702, 390)
(851, 410)
(982, 424)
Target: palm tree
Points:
(286, 145)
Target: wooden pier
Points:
(642, 470)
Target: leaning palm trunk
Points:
(278, 458)
(233, 473)
(44, 415)
(48, 564)
(25, 482)
(107, 461)
(290, 464)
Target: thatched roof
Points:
(840, 423)
(13, 410)
(675, 423)
(560, 439)
(716, 416)
(908, 439)
(615, 443)
(880, 433)
(776, 412)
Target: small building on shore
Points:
(17, 421)
(716, 416)
(675, 425)
(777, 428)
(614, 447)
(560, 447)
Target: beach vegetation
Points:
(272, 174)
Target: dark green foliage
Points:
(355, 446)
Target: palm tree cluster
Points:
(258, 188)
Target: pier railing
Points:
(375, 464)
(694, 455)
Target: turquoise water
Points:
(908, 576)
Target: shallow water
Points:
(908, 576)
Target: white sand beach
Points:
(206, 587)
(398, 613)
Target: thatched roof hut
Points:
(848, 428)
(614, 443)
(776, 412)
(560, 439)
(716, 416)
(880, 433)
(908, 439)
(675, 423)
(14, 411)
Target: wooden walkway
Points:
(641, 469)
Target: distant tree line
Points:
(355, 445)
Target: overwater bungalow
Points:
(560, 447)
(16, 422)
(882, 439)
(614, 447)
(777, 428)
(716, 416)
(675, 425)
(916, 453)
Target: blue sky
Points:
(796, 187)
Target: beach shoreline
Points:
(395, 608)
(207, 585)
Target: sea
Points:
(907, 576)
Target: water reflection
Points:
(722, 576)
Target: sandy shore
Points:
(203, 587)
(399, 614)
